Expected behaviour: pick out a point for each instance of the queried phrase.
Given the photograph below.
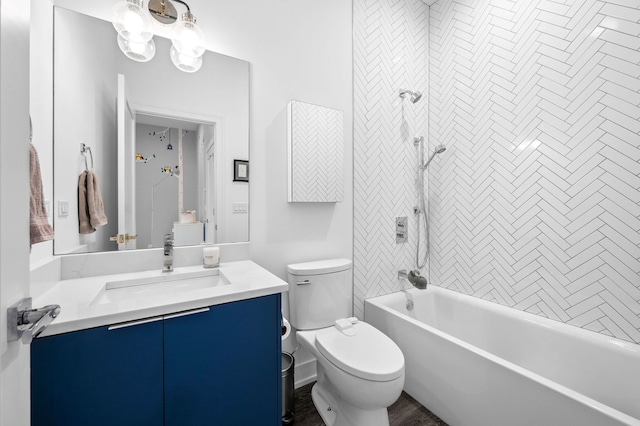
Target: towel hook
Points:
(84, 148)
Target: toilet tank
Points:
(319, 293)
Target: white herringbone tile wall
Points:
(536, 202)
(390, 52)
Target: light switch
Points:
(240, 207)
(63, 208)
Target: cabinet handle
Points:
(184, 314)
(132, 323)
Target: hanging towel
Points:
(39, 227)
(90, 206)
(94, 200)
(83, 206)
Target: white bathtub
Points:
(476, 363)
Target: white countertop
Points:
(238, 281)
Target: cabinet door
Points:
(99, 376)
(222, 367)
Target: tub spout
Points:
(414, 278)
(417, 280)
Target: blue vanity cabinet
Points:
(210, 366)
(100, 376)
(222, 366)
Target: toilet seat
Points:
(369, 354)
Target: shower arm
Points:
(425, 165)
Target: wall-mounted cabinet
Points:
(209, 366)
(316, 151)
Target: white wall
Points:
(535, 201)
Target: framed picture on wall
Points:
(240, 171)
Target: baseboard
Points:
(304, 373)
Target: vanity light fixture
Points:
(141, 52)
(135, 36)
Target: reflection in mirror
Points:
(129, 122)
(160, 186)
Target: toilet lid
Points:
(369, 354)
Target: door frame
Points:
(126, 133)
(209, 148)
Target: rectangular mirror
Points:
(160, 142)
(316, 145)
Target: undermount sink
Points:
(154, 283)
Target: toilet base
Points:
(335, 411)
(325, 405)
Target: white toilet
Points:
(360, 370)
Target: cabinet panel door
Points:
(222, 367)
(98, 377)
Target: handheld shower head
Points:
(439, 150)
(415, 96)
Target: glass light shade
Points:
(131, 21)
(184, 62)
(187, 37)
(141, 52)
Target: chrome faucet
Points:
(168, 253)
(414, 278)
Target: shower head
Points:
(439, 150)
(415, 96)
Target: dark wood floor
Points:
(405, 412)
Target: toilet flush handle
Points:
(305, 282)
